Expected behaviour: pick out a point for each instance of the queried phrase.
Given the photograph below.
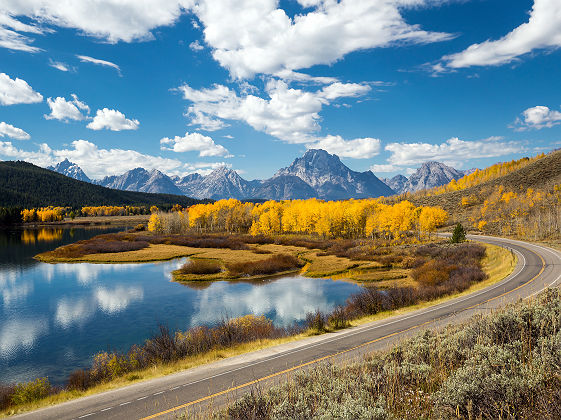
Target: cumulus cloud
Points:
(363, 148)
(250, 37)
(64, 110)
(17, 91)
(288, 114)
(7, 130)
(113, 120)
(452, 152)
(542, 31)
(247, 37)
(97, 61)
(98, 162)
(537, 117)
(194, 142)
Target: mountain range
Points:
(431, 174)
(316, 174)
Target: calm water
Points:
(55, 317)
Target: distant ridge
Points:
(26, 185)
(315, 174)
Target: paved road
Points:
(213, 385)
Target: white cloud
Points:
(113, 120)
(59, 65)
(196, 46)
(117, 299)
(110, 20)
(97, 61)
(542, 31)
(363, 148)
(7, 130)
(11, 38)
(250, 37)
(288, 114)
(194, 142)
(537, 117)
(384, 168)
(453, 151)
(64, 110)
(247, 37)
(97, 162)
(17, 91)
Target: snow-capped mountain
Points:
(71, 170)
(431, 174)
(332, 180)
(220, 183)
(139, 179)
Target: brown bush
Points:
(80, 380)
(6, 393)
(196, 266)
(432, 273)
(274, 264)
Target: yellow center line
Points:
(255, 381)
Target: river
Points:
(55, 317)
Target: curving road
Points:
(213, 385)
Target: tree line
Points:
(328, 219)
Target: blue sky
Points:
(185, 86)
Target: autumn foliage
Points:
(327, 219)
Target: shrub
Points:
(339, 318)
(198, 266)
(31, 391)
(316, 321)
(79, 380)
(6, 393)
(432, 273)
(274, 264)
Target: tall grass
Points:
(506, 365)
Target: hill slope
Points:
(26, 185)
(518, 203)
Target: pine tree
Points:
(459, 234)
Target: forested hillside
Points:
(524, 201)
(23, 184)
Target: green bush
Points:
(31, 391)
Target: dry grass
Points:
(199, 266)
(277, 263)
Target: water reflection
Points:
(118, 298)
(19, 335)
(54, 318)
(286, 300)
(30, 236)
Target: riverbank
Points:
(497, 264)
(94, 221)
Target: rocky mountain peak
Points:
(70, 169)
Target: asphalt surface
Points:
(208, 387)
